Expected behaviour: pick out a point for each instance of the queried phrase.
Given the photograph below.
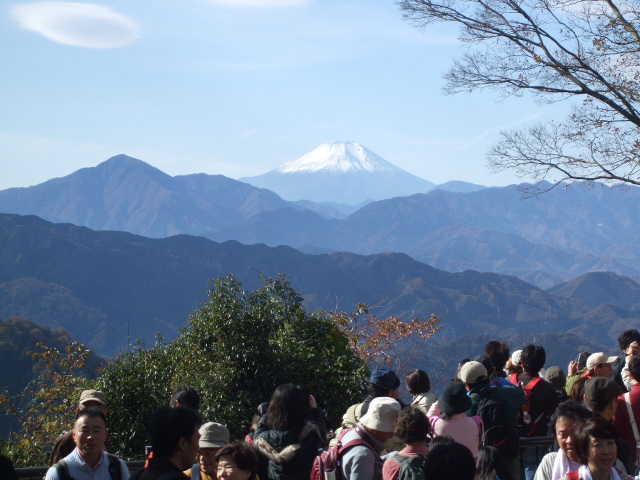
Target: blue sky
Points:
(236, 87)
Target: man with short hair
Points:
(175, 441)
(185, 396)
(65, 444)
(89, 461)
(213, 436)
(363, 462)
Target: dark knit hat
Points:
(454, 399)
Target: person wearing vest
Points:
(89, 461)
(213, 436)
(363, 462)
(627, 415)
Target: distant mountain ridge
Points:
(340, 172)
(109, 288)
(546, 240)
(457, 226)
(127, 194)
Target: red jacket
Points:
(621, 419)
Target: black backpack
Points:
(115, 469)
(498, 432)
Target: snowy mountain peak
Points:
(338, 157)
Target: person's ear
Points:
(182, 444)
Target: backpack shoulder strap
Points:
(532, 384)
(195, 472)
(115, 469)
(63, 470)
(400, 458)
(513, 378)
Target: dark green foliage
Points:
(136, 383)
(238, 347)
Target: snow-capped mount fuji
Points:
(340, 172)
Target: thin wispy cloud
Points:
(77, 24)
(261, 3)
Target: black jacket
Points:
(290, 453)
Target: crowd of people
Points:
(473, 431)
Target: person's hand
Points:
(312, 402)
(573, 368)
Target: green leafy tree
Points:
(136, 383)
(237, 348)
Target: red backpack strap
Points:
(513, 378)
(532, 384)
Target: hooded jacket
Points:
(290, 453)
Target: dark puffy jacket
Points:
(290, 453)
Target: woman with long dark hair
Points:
(290, 434)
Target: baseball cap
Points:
(601, 390)
(598, 358)
(473, 372)
(92, 396)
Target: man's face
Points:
(603, 370)
(206, 460)
(89, 434)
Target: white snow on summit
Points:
(338, 157)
